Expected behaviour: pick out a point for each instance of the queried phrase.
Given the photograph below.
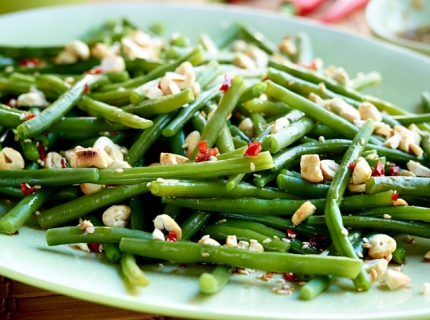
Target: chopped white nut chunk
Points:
(243, 245)
(239, 45)
(32, 99)
(381, 246)
(259, 56)
(279, 124)
(362, 171)
(231, 241)
(342, 109)
(87, 226)
(375, 268)
(243, 61)
(357, 187)
(158, 235)
(101, 50)
(305, 211)
(247, 127)
(369, 111)
(310, 168)
(191, 142)
(79, 49)
(416, 149)
(106, 144)
(90, 157)
(152, 92)
(195, 87)
(113, 64)
(418, 169)
(90, 188)
(400, 202)
(427, 256)
(65, 57)
(209, 241)
(393, 142)
(172, 159)
(168, 86)
(116, 216)
(255, 246)
(385, 131)
(394, 279)
(132, 50)
(53, 160)
(81, 246)
(288, 47)
(328, 169)
(10, 159)
(163, 221)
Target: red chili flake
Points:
(289, 276)
(203, 146)
(204, 153)
(63, 163)
(26, 189)
(41, 151)
(32, 62)
(96, 70)
(312, 65)
(183, 265)
(395, 195)
(29, 116)
(379, 170)
(94, 247)
(291, 234)
(171, 236)
(253, 149)
(12, 103)
(315, 241)
(87, 89)
(352, 166)
(394, 171)
(266, 78)
(226, 84)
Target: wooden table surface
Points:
(19, 301)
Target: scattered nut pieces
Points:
(305, 211)
(310, 168)
(165, 222)
(90, 157)
(328, 169)
(172, 159)
(116, 216)
(362, 171)
(381, 246)
(394, 279)
(10, 159)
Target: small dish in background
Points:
(399, 20)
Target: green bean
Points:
(425, 101)
(138, 211)
(189, 252)
(318, 113)
(117, 97)
(11, 191)
(403, 185)
(412, 118)
(236, 132)
(253, 91)
(68, 235)
(187, 170)
(253, 226)
(15, 88)
(207, 43)
(399, 256)
(315, 286)
(57, 109)
(47, 177)
(301, 187)
(213, 188)
(195, 57)
(114, 114)
(259, 123)
(85, 125)
(265, 177)
(20, 77)
(142, 65)
(66, 194)
(185, 114)
(148, 137)
(29, 150)
(176, 142)
(276, 206)
(304, 48)
(322, 130)
(398, 213)
(419, 229)
(267, 107)
(225, 107)
(165, 104)
(213, 282)
(227, 36)
(88, 203)
(366, 80)
(193, 224)
(16, 217)
(220, 232)
(233, 181)
(256, 37)
(132, 271)
(32, 166)
(118, 76)
(288, 135)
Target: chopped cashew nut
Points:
(342, 109)
(106, 144)
(427, 256)
(113, 64)
(195, 87)
(288, 47)
(279, 124)
(116, 216)
(10, 159)
(119, 164)
(375, 268)
(158, 235)
(53, 160)
(305, 211)
(369, 111)
(393, 142)
(132, 50)
(418, 169)
(231, 241)
(101, 50)
(90, 157)
(247, 127)
(81, 246)
(90, 188)
(357, 187)
(255, 246)
(78, 48)
(87, 226)
(191, 142)
(171, 158)
(65, 57)
(337, 74)
(362, 171)
(381, 246)
(67, 154)
(239, 45)
(243, 61)
(384, 130)
(209, 241)
(400, 202)
(163, 221)
(310, 168)
(258, 55)
(394, 279)
(168, 86)
(34, 98)
(243, 245)
(328, 168)
(152, 92)
(416, 150)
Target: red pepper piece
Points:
(291, 234)
(96, 70)
(289, 276)
(31, 63)
(253, 149)
(87, 89)
(315, 241)
(341, 9)
(226, 84)
(379, 170)
(204, 153)
(352, 166)
(203, 146)
(63, 163)
(29, 116)
(304, 7)
(171, 236)
(395, 196)
(41, 151)
(12, 103)
(394, 171)
(26, 189)
(94, 247)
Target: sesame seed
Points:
(257, 175)
(387, 216)
(252, 166)
(267, 240)
(362, 141)
(276, 237)
(321, 138)
(253, 241)
(37, 212)
(119, 170)
(365, 240)
(359, 254)
(160, 265)
(161, 180)
(149, 184)
(366, 245)
(205, 254)
(286, 240)
(27, 140)
(344, 232)
(290, 83)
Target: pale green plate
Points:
(27, 258)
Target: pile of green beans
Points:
(240, 181)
